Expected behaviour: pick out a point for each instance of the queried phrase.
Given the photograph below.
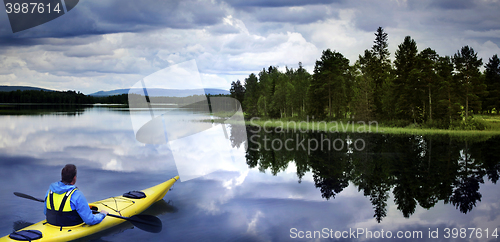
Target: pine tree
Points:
(364, 88)
(300, 80)
(448, 103)
(265, 97)
(330, 84)
(467, 66)
(266, 102)
(273, 108)
(282, 98)
(237, 91)
(251, 95)
(427, 65)
(492, 81)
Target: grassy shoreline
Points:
(372, 127)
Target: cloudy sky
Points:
(112, 44)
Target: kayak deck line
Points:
(131, 208)
(130, 202)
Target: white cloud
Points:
(231, 41)
(338, 34)
(215, 81)
(277, 50)
(487, 50)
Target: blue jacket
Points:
(78, 203)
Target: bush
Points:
(469, 124)
(396, 123)
(436, 124)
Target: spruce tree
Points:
(380, 67)
(406, 80)
(380, 47)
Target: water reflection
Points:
(238, 202)
(97, 137)
(417, 170)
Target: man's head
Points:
(68, 174)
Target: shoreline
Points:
(269, 125)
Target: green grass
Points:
(492, 121)
(492, 127)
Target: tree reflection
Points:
(419, 170)
(331, 170)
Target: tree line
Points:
(419, 87)
(56, 97)
(73, 97)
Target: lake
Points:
(254, 184)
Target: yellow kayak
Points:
(125, 206)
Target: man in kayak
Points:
(65, 205)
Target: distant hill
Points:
(163, 92)
(22, 88)
(151, 91)
(110, 93)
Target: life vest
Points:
(59, 212)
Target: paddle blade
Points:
(146, 222)
(28, 197)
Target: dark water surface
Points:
(406, 184)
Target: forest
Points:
(56, 97)
(73, 97)
(417, 88)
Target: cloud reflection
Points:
(195, 127)
(259, 208)
(97, 138)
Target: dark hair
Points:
(68, 173)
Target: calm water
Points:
(269, 192)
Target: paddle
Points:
(145, 222)
(28, 197)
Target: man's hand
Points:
(104, 212)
